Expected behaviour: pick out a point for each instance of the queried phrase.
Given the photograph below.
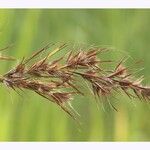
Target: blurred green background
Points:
(31, 118)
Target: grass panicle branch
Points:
(57, 80)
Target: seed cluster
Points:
(56, 81)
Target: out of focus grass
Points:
(30, 118)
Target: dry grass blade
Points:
(2, 57)
(7, 58)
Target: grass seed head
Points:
(57, 81)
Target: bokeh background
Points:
(30, 118)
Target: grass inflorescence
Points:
(57, 80)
